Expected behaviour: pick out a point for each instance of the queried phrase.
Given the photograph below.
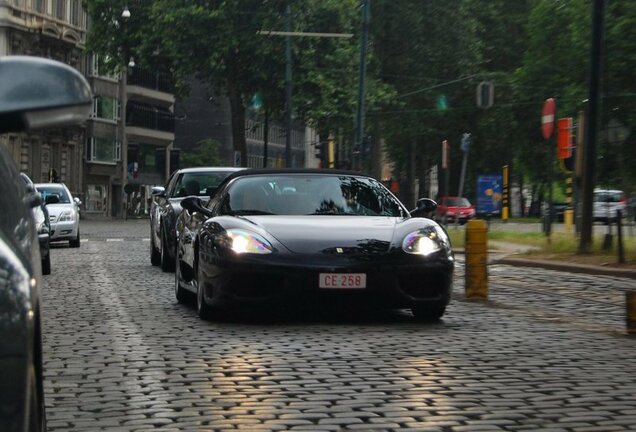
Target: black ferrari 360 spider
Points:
(272, 236)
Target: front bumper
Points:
(64, 231)
(459, 217)
(394, 280)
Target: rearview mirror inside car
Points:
(37, 92)
(52, 199)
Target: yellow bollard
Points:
(630, 312)
(476, 283)
(568, 220)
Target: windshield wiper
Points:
(248, 212)
(331, 212)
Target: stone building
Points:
(54, 29)
(114, 147)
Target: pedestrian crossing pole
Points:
(504, 195)
(568, 215)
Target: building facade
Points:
(127, 153)
(54, 29)
(115, 147)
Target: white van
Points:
(607, 202)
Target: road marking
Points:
(114, 239)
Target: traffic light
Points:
(485, 94)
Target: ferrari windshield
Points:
(310, 194)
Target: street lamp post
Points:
(122, 115)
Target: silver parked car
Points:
(64, 215)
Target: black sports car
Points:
(306, 235)
(165, 208)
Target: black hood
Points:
(330, 234)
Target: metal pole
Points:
(463, 174)
(288, 90)
(124, 140)
(366, 12)
(591, 127)
(265, 136)
(551, 159)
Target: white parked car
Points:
(607, 202)
(64, 215)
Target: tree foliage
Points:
(206, 153)
(426, 59)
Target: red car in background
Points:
(454, 209)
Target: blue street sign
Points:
(465, 144)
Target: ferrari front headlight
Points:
(425, 241)
(242, 241)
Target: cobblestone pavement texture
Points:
(547, 352)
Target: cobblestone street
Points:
(547, 352)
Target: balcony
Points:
(149, 123)
(149, 87)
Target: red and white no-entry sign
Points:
(547, 118)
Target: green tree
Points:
(206, 153)
(218, 42)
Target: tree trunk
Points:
(237, 111)
(376, 149)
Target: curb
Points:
(570, 267)
(508, 257)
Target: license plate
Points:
(342, 280)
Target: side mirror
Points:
(52, 199)
(77, 201)
(158, 191)
(424, 206)
(194, 204)
(37, 93)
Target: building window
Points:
(96, 67)
(76, 13)
(96, 198)
(105, 107)
(39, 6)
(59, 9)
(102, 149)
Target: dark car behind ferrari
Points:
(272, 236)
(165, 208)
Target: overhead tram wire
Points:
(437, 86)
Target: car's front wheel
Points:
(37, 417)
(167, 263)
(155, 255)
(75, 243)
(428, 312)
(179, 292)
(46, 265)
(204, 310)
